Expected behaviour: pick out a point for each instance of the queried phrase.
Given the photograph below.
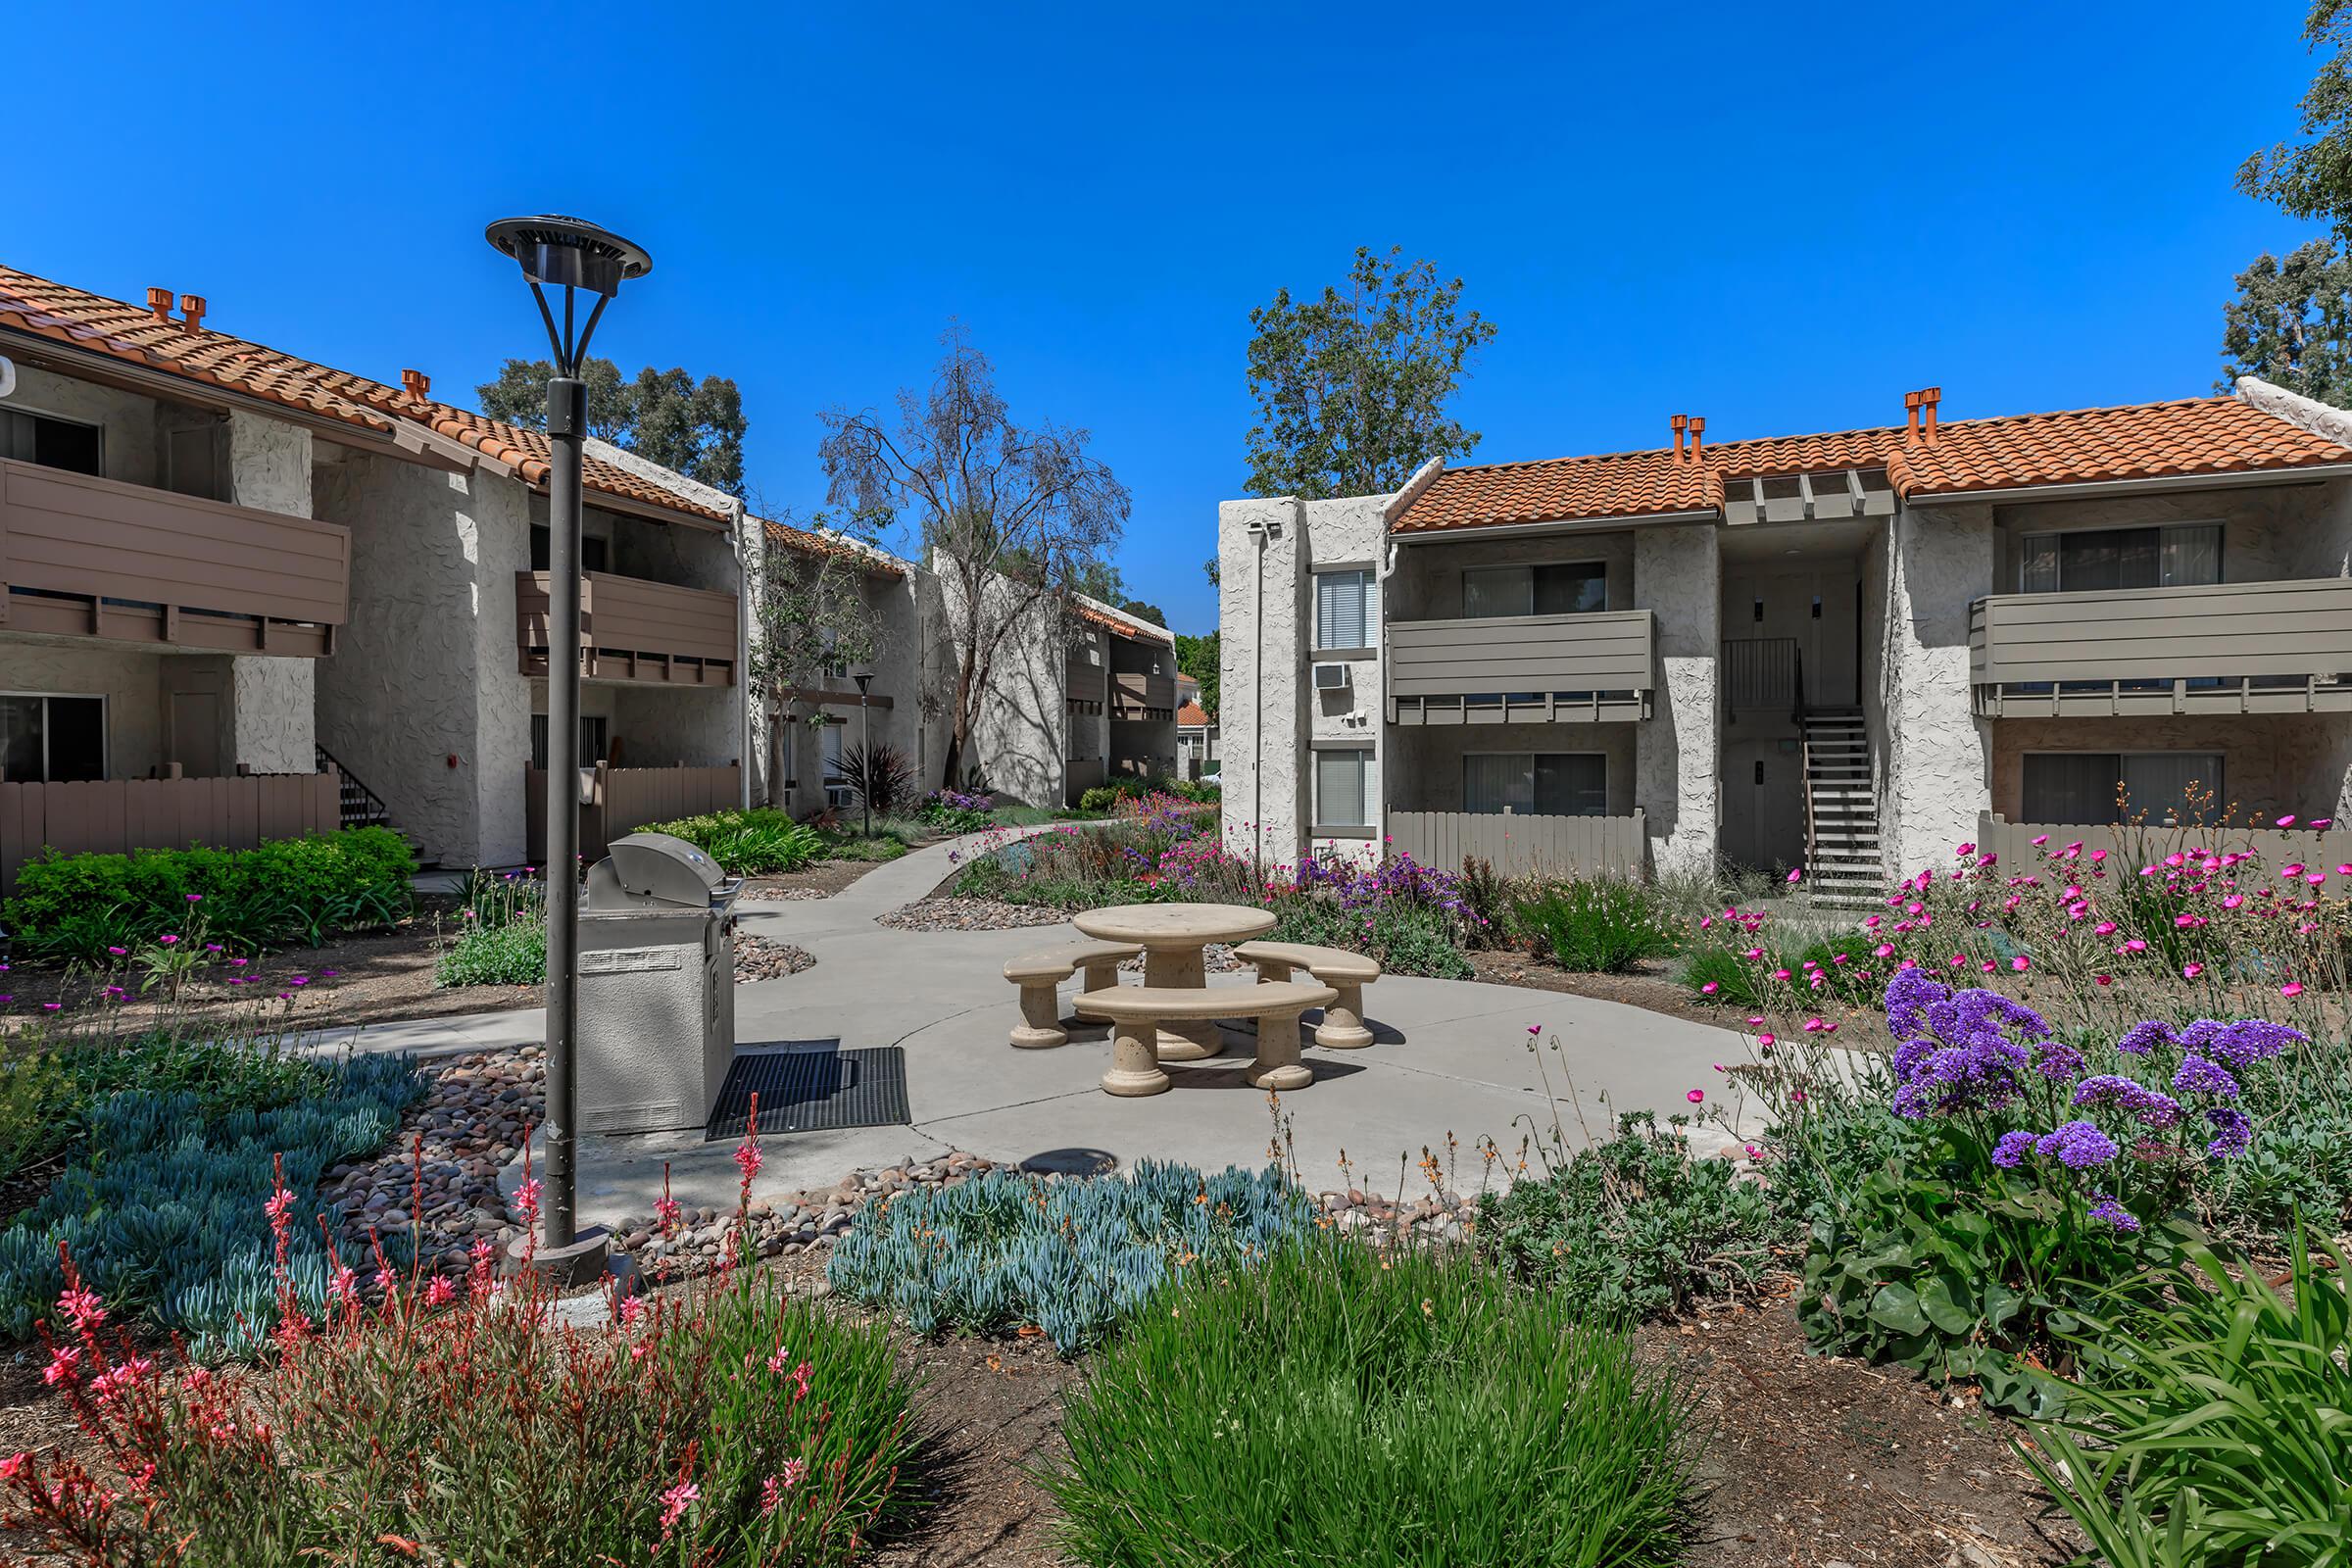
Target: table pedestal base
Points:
(1278, 1065)
(1183, 1038)
(1133, 1071)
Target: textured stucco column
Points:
(1940, 561)
(1260, 602)
(272, 702)
(1678, 573)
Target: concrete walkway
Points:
(1450, 1058)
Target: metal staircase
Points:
(362, 807)
(1843, 866)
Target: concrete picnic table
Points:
(1172, 937)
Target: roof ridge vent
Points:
(1919, 410)
(1681, 423)
(1699, 435)
(159, 304)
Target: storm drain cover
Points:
(812, 1085)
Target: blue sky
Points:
(1781, 217)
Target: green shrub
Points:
(1722, 978)
(35, 1116)
(510, 954)
(1633, 1226)
(74, 906)
(759, 842)
(1406, 937)
(1072, 1258)
(1595, 925)
(1335, 1406)
(161, 1205)
(2217, 1433)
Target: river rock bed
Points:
(969, 914)
(471, 1123)
(757, 958)
(1215, 958)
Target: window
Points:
(2088, 559)
(838, 793)
(1344, 609)
(1343, 789)
(1567, 588)
(2081, 786)
(54, 740)
(592, 730)
(51, 443)
(594, 551)
(1536, 783)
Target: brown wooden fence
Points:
(1522, 846)
(622, 800)
(2135, 845)
(115, 815)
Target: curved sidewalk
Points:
(1450, 1058)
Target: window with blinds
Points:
(2070, 787)
(1536, 784)
(1344, 609)
(2091, 560)
(1343, 789)
(1565, 588)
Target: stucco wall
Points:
(2270, 763)
(1428, 581)
(426, 669)
(126, 446)
(1017, 741)
(128, 680)
(1259, 597)
(2269, 532)
(1940, 561)
(272, 700)
(1678, 573)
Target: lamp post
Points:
(863, 675)
(567, 254)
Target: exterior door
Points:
(196, 733)
(1763, 804)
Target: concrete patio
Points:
(1450, 1058)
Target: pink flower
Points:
(1695, 1096)
(2189, 971)
(2287, 820)
(119, 952)
(675, 1501)
(13, 1466)
(1535, 1029)
(2292, 989)
(2099, 855)
(195, 898)
(439, 1292)
(667, 1209)
(83, 1308)
(2021, 963)
(1884, 950)
(747, 1158)
(64, 1365)
(1709, 990)
(1796, 876)
(167, 940)
(1764, 1040)
(526, 1199)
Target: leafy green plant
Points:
(78, 907)
(1594, 925)
(880, 776)
(510, 954)
(759, 842)
(1338, 1405)
(1722, 978)
(2216, 1432)
(1405, 939)
(1632, 1225)
(1071, 1257)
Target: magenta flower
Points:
(2189, 971)
(1695, 1096)
(2292, 989)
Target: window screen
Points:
(2090, 559)
(1344, 609)
(2081, 786)
(1343, 797)
(1554, 589)
(1536, 784)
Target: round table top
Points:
(1175, 926)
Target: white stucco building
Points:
(1847, 651)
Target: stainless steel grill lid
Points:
(657, 868)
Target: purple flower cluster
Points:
(2199, 1075)
(2109, 1210)
(2233, 1130)
(1977, 1049)
(1365, 886)
(2133, 1097)
(2240, 1044)
(2077, 1144)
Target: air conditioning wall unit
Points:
(1334, 677)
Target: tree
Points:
(665, 416)
(809, 616)
(1143, 612)
(1198, 657)
(1011, 516)
(1352, 388)
(2291, 323)
(2313, 179)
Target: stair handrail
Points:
(376, 806)
(1805, 778)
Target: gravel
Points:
(469, 1125)
(969, 914)
(757, 958)
(784, 895)
(1215, 958)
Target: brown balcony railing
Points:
(634, 630)
(2220, 648)
(1523, 668)
(101, 558)
(1142, 697)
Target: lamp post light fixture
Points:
(863, 675)
(567, 254)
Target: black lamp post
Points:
(863, 675)
(567, 254)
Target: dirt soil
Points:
(824, 879)
(1650, 985)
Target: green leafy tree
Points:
(2291, 323)
(1013, 516)
(1143, 612)
(1352, 387)
(1197, 657)
(665, 415)
(2313, 178)
(810, 617)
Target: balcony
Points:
(650, 633)
(104, 559)
(1085, 684)
(1135, 696)
(2222, 648)
(1593, 667)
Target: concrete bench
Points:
(1040, 974)
(1135, 1012)
(1347, 973)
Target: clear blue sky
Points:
(1781, 224)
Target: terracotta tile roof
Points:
(1192, 715)
(814, 542)
(133, 334)
(2212, 435)
(1119, 623)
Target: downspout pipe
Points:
(747, 540)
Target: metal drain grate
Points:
(812, 1085)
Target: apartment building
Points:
(248, 595)
(1847, 651)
